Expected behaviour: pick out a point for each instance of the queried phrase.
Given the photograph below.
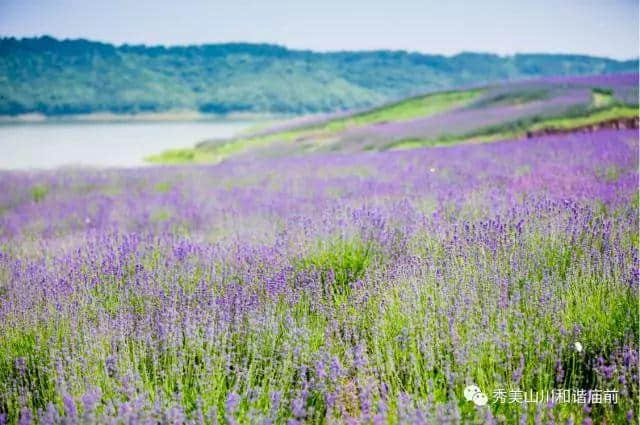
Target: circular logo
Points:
(480, 399)
(470, 391)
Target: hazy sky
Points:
(596, 27)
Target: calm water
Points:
(50, 145)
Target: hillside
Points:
(53, 77)
(488, 113)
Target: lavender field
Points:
(372, 287)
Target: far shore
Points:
(108, 117)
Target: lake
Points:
(50, 145)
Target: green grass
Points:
(421, 106)
(610, 113)
(38, 193)
(182, 156)
(162, 187)
(602, 98)
(340, 263)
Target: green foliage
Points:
(39, 192)
(160, 216)
(162, 187)
(421, 106)
(570, 122)
(173, 156)
(602, 97)
(56, 77)
(24, 359)
(340, 263)
(603, 91)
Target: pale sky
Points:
(595, 27)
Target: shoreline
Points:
(108, 117)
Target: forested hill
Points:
(56, 77)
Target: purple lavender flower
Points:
(213, 301)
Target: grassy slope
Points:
(603, 107)
(399, 111)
